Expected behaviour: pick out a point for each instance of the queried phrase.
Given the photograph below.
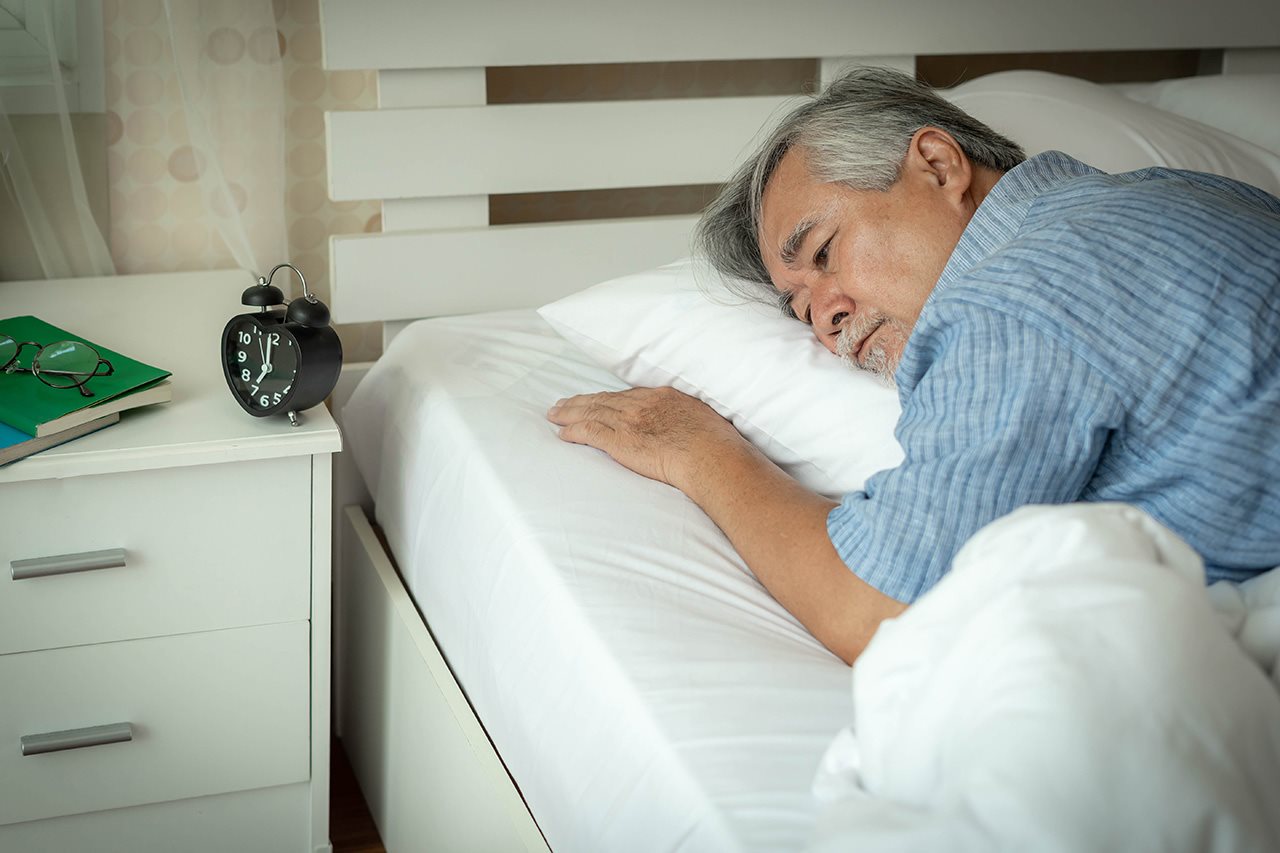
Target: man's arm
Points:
(777, 526)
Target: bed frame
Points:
(435, 151)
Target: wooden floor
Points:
(351, 827)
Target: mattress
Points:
(643, 689)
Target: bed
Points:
(535, 649)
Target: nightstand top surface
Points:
(174, 321)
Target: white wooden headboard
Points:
(434, 150)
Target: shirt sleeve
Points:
(1001, 416)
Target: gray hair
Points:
(855, 132)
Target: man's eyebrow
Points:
(791, 246)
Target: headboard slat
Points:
(448, 151)
(464, 270)
(465, 33)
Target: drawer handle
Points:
(77, 738)
(65, 564)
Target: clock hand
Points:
(266, 368)
(266, 365)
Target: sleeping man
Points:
(1056, 334)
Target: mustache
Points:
(875, 358)
(857, 330)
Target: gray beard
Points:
(879, 358)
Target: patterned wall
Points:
(158, 219)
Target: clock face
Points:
(261, 364)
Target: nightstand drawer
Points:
(204, 547)
(208, 713)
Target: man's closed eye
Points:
(820, 256)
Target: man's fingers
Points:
(649, 430)
(592, 433)
(581, 407)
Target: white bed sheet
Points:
(643, 689)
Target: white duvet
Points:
(1069, 685)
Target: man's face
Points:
(863, 262)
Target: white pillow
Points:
(1245, 105)
(828, 425)
(1042, 111)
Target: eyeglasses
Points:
(65, 364)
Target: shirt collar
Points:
(999, 217)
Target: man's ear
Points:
(938, 157)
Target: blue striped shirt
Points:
(1093, 337)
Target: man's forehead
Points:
(793, 204)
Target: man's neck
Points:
(984, 178)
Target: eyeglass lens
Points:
(66, 364)
(8, 350)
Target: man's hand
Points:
(658, 432)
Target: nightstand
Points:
(184, 683)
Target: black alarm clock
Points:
(278, 360)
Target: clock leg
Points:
(294, 420)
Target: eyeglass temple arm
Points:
(84, 385)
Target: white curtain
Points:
(232, 107)
(56, 214)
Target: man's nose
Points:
(829, 312)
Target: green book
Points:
(33, 407)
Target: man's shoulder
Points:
(1159, 196)
(1054, 220)
(1127, 271)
